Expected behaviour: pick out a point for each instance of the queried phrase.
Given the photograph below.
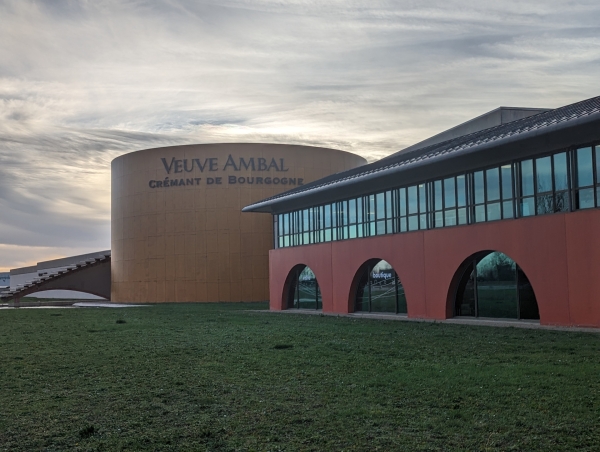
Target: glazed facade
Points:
(497, 223)
(562, 181)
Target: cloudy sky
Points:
(82, 82)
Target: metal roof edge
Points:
(263, 206)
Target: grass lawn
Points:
(217, 377)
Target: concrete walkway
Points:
(481, 321)
(79, 304)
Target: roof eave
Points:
(524, 144)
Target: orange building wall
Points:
(560, 254)
(192, 242)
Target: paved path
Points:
(80, 304)
(531, 324)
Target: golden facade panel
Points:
(178, 233)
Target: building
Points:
(48, 270)
(498, 222)
(4, 280)
(177, 231)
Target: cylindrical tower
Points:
(178, 233)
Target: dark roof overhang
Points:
(445, 159)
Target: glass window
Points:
(402, 224)
(507, 209)
(527, 207)
(450, 217)
(585, 176)
(561, 201)
(597, 164)
(359, 210)
(305, 222)
(527, 178)
(493, 184)
(352, 231)
(328, 216)
(585, 198)
(437, 188)
(561, 179)
(449, 193)
(493, 211)
(413, 202)
(402, 200)
(461, 191)
(286, 223)
(380, 205)
(439, 219)
(479, 190)
(343, 213)
(352, 211)
(543, 172)
(462, 216)
(422, 199)
(413, 223)
(371, 208)
(388, 206)
(507, 183)
(380, 290)
(304, 292)
(479, 213)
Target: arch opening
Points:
(379, 289)
(492, 285)
(303, 289)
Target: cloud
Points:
(84, 82)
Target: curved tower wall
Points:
(178, 233)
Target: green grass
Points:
(217, 377)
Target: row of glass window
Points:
(560, 182)
(491, 285)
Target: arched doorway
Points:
(303, 289)
(493, 285)
(379, 289)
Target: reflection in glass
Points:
(461, 191)
(527, 178)
(543, 171)
(304, 292)
(370, 208)
(493, 211)
(597, 149)
(402, 201)
(388, 206)
(437, 188)
(496, 286)
(507, 184)
(450, 217)
(422, 199)
(479, 189)
(352, 211)
(585, 175)
(462, 216)
(449, 193)
(380, 290)
(493, 184)
(493, 285)
(585, 198)
(380, 203)
(561, 180)
(527, 207)
(413, 202)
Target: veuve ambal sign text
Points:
(177, 172)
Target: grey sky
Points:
(82, 82)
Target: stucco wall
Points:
(559, 253)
